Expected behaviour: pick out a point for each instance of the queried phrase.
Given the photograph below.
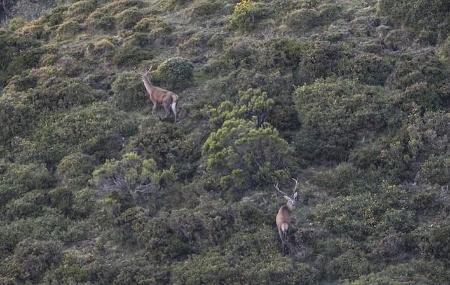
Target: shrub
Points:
(75, 169)
(167, 145)
(332, 117)
(322, 59)
(444, 51)
(415, 271)
(68, 29)
(80, 9)
(240, 157)
(97, 130)
(128, 18)
(102, 48)
(417, 13)
(205, 8)
(303, 19)
(129, 55)
(100, 21)
(435, 170)
(176, 73)
(28, 205)
(129, 91)
(131, 177)
(371, 69)
(34, 257)
(247, 14)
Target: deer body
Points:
(283, 218)
(161, 96)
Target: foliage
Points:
(129, 92)
(350, 97)
(418, 14)
(176, 73)
(247, 14)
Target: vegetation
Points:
(352, 98)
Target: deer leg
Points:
(167, 108)
(154, 108)
(174, 110)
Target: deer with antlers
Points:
(283, 218)
(157, 95)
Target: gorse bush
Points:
(247, 14)
(418, 14)
(175, 73)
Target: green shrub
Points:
(100, 21)
(157, 27)
(247, 14)
(239, 157)
(205, 8)
(75, 169)
(80, 9)
(68, 29)
(34, 257)
(418, 14)
(322, 59)
(303, 19)
(444, 51)
(176, 73)
(129, 55)
(371, 69)
(28, 205)
(131, 178)
(102, 48)
(435, 170)
(166, 145)
(415, 271)
(332, 118)
(128, 18)
(129, 91)
(349, 265)
(97, 130)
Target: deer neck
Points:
(149, 87)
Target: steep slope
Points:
(351, 97)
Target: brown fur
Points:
(160, 96)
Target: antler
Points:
(278, 189)
(295, 186)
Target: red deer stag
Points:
(159, 95)
(283, 218)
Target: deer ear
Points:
(295, 196)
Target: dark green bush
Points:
(34, 257)
(248, 13)
(68, 29)
(128, 18)
(418, 14)
(129, 91)
(240, 157)
(75, 169)
(97, 130)
(303, 20)
(99, 21)
(332, 118)
(371, 69)
(176, 73)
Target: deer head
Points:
(291, 201)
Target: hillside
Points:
(352, 98)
